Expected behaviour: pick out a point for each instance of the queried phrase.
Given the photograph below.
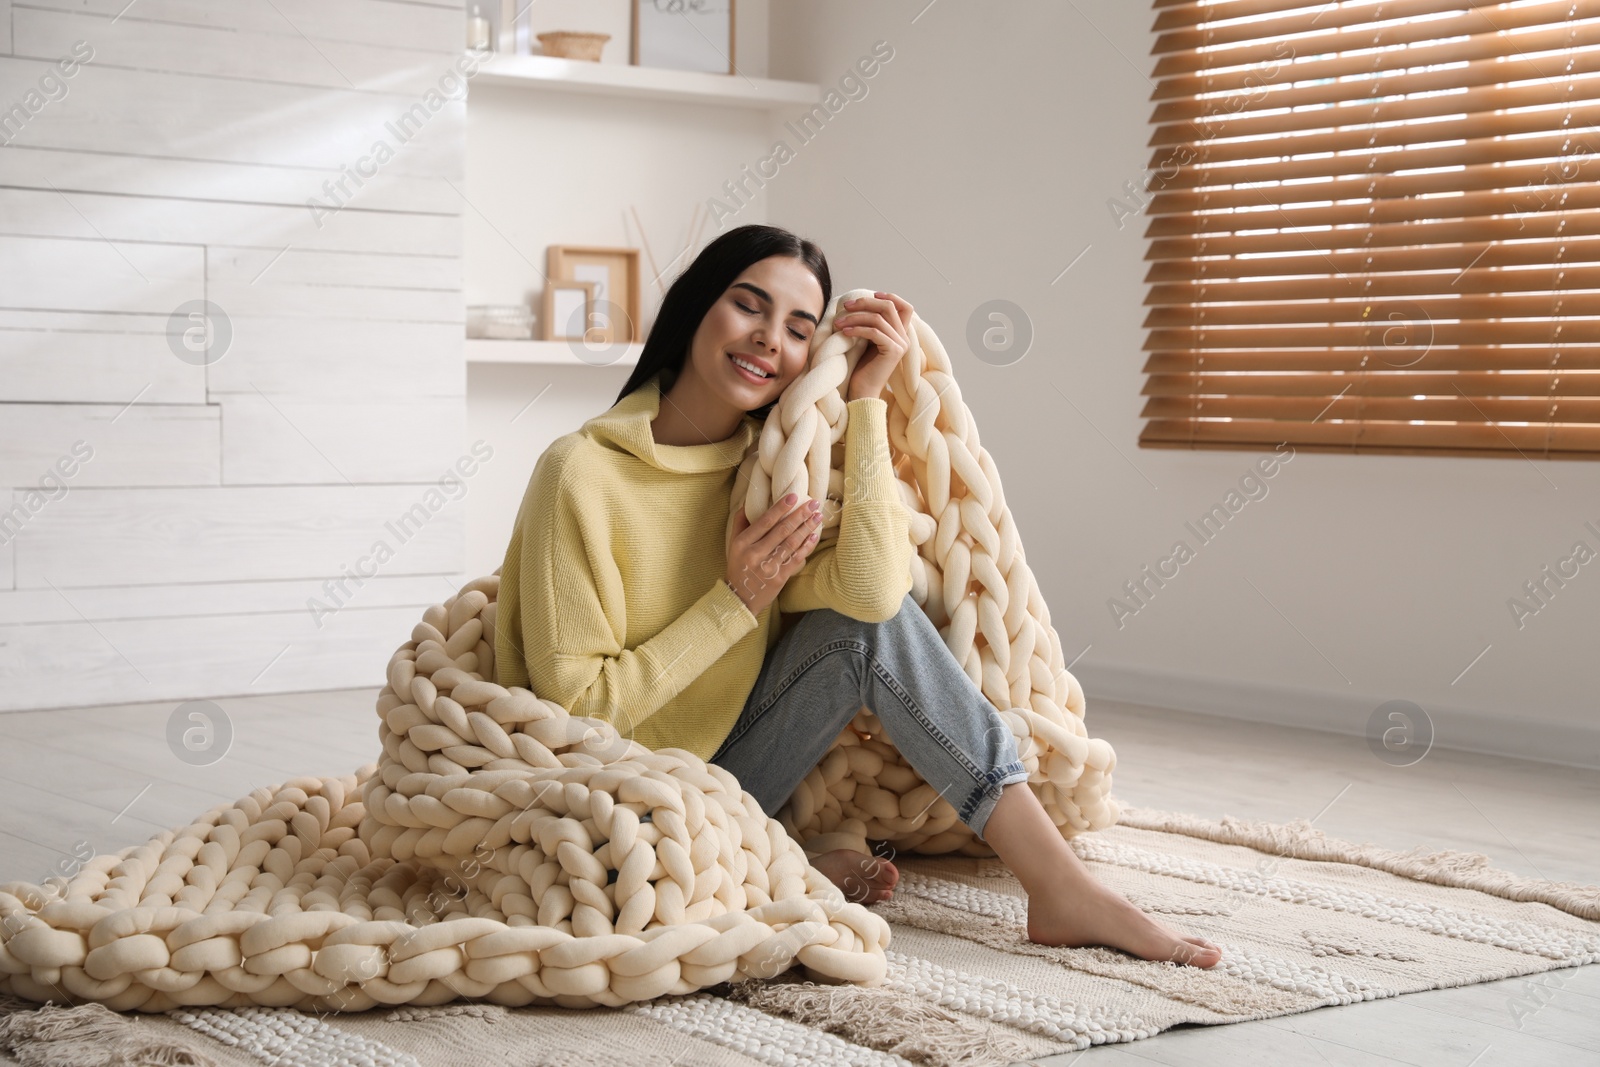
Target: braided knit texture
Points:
(971, 578)
(502, 849)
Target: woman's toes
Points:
(889, 874)
(1197, 952)
(874, 878)
(863, 879)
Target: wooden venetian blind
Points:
(1375, 227)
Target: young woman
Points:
(618, 601)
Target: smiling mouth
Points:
(749, 375)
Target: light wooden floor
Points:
(102, 778)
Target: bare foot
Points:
(1095, 915)
(862, 878)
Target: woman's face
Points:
(766, 317)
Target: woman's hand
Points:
(767, 553)
(884, 319)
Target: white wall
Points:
(203, 505)
(979, 166)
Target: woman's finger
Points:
(770, 518)
(798, 520)
(794, 546)
(877, 336)
(795, 543)
(803, 530)
(864, 302)
(887, 306)
(902, 305)
(867, 316)
(867, 309)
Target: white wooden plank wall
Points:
(207, 504)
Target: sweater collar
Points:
(626, 425)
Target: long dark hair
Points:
(702, 283)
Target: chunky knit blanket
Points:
(504, 850)
(970, 576)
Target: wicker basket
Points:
(569, 44)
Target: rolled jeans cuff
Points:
(980, 802)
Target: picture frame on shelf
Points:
(568, 304)
(693, 35)
(614, 272)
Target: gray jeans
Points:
(827, 666)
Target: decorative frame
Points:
(614, 273)
(560, 291)
(683, 35)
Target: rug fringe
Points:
(1302, 841)
(87, 1035)
(887, 1020)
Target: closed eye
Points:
(751, 311)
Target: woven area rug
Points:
(1304, 921)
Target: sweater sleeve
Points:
(570, 616)
(866, 572)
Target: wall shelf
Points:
(644, 83)
(546, 353)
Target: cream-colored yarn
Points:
(501, 849)
(969, 575)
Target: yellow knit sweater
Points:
(612, 601)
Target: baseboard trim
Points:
(1463, 729)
